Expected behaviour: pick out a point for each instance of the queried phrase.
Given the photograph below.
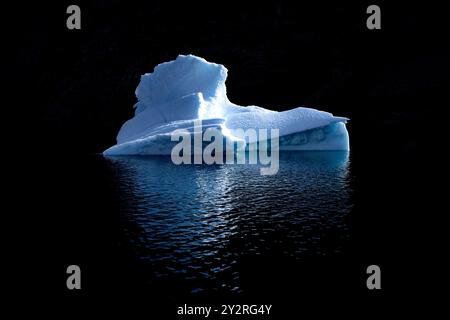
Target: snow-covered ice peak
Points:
(189, 88)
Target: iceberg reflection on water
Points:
(198, 225)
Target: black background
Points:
(74, 88)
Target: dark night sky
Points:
(279, 55)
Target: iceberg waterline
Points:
(181, 92)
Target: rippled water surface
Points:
(198, 225)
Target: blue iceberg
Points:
(179, 93)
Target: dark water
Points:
(199, 229)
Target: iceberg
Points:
(181, 92)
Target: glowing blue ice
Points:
(189, 88)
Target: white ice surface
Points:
(189, 88)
